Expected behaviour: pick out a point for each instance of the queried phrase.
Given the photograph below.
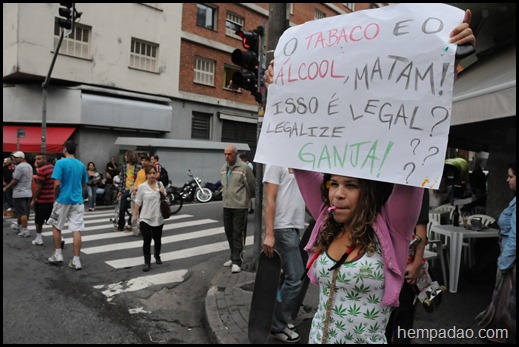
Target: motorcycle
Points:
(193, 188)
(216, 188)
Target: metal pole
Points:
(44, 87)
(277, 24)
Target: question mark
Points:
(405, 166)
(414, 149)
(441, 120)
(430, 155)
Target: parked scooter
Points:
(216, 188)
(193, 188)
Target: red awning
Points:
(31, 143)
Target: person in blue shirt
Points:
(70, 176)
(500, 314)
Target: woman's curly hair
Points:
(373, 196)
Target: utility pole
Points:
(69, 15)
(277, 24)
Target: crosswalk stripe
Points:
(143, 282)
(165, 240)
(182, 254)
(103, 226)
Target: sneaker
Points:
(56, 258)
(158, 260)
(291, 326)
(235, 268)
(228, 263)
(37, 242)
(286, 335)
(75, 264)
(15, 226)
(24, 234)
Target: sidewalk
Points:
(228, 300)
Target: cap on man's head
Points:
(18, 154)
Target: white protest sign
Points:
(366, 94)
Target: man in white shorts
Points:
(69, 177)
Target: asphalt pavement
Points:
(228, 300)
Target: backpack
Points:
(163, 176)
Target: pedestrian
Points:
(150, 217)
(112, 167)
(163, 173)
(43, 198)
(402, 317)
(127, 177)
(70, 176)
(244, 158)
(141, 174)
(92, 186)
(354, 223)
(238, 186)
(22, 193)
(500, 314)
(284, 220)
(7, 178)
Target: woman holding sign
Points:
(358, 247)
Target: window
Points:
(143, 55)
(319, 14)
(206, 16)
(77, 44)
(204, 71)
(228, 72)
(350, 5)
(233, 23)
(201, 126)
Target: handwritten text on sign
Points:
(367, 94)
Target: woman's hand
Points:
(268, 78)
(463, 34)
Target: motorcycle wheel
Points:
(204, 194)
(175, 203)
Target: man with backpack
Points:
(163, 173)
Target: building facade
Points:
(153, 77)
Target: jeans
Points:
(124, 205)
(235, 225)
(287, 244)
(91, 193)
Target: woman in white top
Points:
(150, 218)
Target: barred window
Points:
(319, 14)
(143, 55)
(204, 71)
(201, 126)
(77, 44)
(350, 5)
(233, 23)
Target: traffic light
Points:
(250, 61)
(69, 15)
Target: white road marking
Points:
(181, 254)
(165, 240)
(139, 283)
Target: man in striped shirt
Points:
(43, 198)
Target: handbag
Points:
(164, 207)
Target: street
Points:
(111, 300)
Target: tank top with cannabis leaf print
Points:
(357, 315)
